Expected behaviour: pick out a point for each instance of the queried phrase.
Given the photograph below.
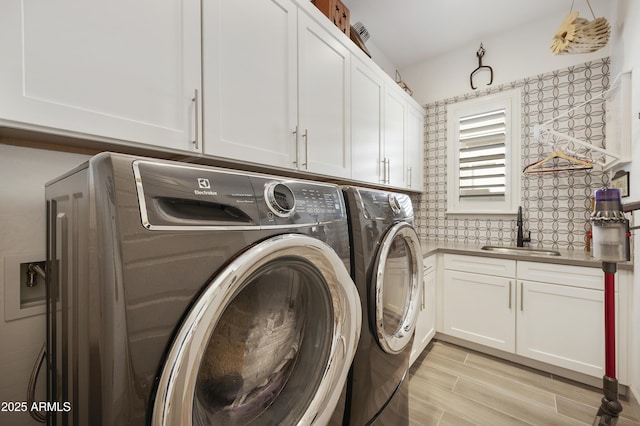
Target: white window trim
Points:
(510, 100)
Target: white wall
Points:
(23, 173)
(626, 56)
(513, 55)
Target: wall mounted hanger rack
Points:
(605, 158)
(551, 163)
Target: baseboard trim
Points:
(552, 370)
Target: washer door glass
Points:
(270, 340)
(397, 286)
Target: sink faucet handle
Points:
(528, 238)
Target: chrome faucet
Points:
(521, 239)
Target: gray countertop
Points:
(575, 257)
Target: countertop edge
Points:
(566, 257)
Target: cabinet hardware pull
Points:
(509, 294)
(424, 290)
(521, 297)
(384, 171)
(295, 134)
(388, 171)
(196, 110)
(410, 177)
(306, 149)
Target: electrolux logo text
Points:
(205, 187)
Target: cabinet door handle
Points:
(509, 294)
(410, 176)
(388, 171)
(295, 140)
(196, 120)
(424, 290)
(306, 148)
(384, 171)
(521, 297)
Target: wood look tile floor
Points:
(450, 385)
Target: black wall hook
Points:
(480, 53)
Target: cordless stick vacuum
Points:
(610, 231)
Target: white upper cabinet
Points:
(119, 71)
(395, 113)
(324, 102)
(415, 148)
(276, 87)
(387, 131)
(367, 93)
(250, 80)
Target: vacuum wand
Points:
(610, 230)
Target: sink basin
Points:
(521, 251)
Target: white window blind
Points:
(482, 154)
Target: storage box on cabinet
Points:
(337, 13)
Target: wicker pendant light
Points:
(579, 35)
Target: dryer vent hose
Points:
(31, 390)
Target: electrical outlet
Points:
(24, 289)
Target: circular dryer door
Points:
(397, 282)
(269, 341)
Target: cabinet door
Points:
(367, 92)
(324, 107)
(426, 325)
(562, 325)
(250, 80)
(480, 308)
(395, 110)
(415, 148)
(116, 70)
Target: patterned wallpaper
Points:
(556, 206)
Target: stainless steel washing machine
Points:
(183, 294)
(387, 269)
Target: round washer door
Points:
(270, 340)
(397, 282)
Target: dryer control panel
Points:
(174, 195)
(297, 202)
(378, 204)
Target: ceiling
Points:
(410, 31)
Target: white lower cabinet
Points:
(546, 312)
(479, 308)
(426, 324)
(561, 325)
(560, 317)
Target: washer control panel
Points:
(300, 202)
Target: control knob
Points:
(280, 199)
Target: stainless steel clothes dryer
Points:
(184, 294)
(387, 269)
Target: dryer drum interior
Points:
(262, 357)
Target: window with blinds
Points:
(482, 154)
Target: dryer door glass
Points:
(264, 359)
(269, 341)
(398, 282)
